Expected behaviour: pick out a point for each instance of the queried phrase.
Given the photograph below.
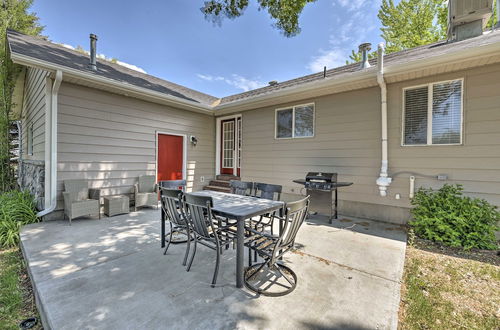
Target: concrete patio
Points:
(112, 274)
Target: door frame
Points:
(218, 131)
(184, 152)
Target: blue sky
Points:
(171, 39)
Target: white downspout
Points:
(51, 152)
(383, 181)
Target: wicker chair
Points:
(272, 248)
(146, 191)
(80, 200)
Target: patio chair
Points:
(173, 184)
(146, 191)
(171, 200)
(272, 248)
(242, 188)
(198, 211)
(80, 200)
(271, 192)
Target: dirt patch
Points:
(364, 224)
(345, 220)
(487, 256)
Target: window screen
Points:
(445, 115)
(416, 102)
(284, 123)
(304, 121)
(295, 122)
(446, 112)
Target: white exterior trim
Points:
(184, 152)
(218, 130)
(429, 114)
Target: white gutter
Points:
(383, 181)
(51, 152)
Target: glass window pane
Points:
(415, 125)
(284, 123)
(447, 112)
(304, 121)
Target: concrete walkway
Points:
(112, 274)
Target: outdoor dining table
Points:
(240, 208)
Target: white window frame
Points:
(292, 107)
(430, 87)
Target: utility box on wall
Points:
(468, 18)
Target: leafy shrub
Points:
(448, 217)
(16, 209)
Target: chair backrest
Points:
(173, 184)
(147, 183)
(171, 200)
(78, 189)
(268, 191)
(199, 213)
(242, 188)
(295, 214)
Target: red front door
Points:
(170, 157)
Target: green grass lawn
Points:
(16, 297)
(442, 291)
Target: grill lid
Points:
(321, 177)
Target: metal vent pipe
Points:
(364, 49)
(93, 62)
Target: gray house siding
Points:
(32, 159)
(110, 139)
(34, 113)
(347, 141)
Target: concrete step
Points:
(220, 183)
(227, 177)
(217, 188)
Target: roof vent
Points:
(93, 41)
(364, 49)
(273, 83)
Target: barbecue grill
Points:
(322, 189)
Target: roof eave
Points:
(119, 86)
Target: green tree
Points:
(409, 24)
(13, 15)
(285, 12)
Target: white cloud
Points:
(349, 33)
(104, 57)
(331, 59)
(235, 80)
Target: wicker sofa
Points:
(146, 191)
(80, 200)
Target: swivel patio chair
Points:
(171, 207)
(202, 222)
(272, 248)
(242, 188)
(80, 200)
(146, 192)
